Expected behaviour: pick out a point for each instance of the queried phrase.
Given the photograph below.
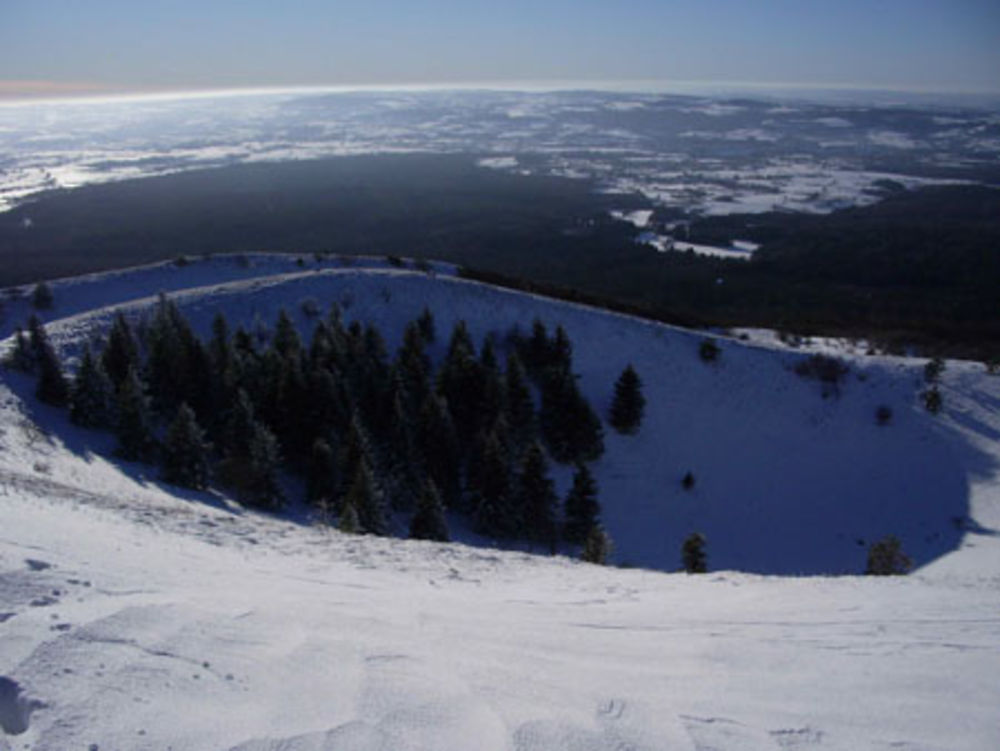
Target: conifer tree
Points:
(366, 499)
(51, 387)
(238, 426)
(693, 556)
(437, 445)
(581, 507)
(286, 341)
(536, 350)
(20, 357)
(413, 366)
(348, 522)
(41, 296)
(536, 499)
(134, 422)
(186, 452)
(121, 353)
(628, 402)
(92, 395)
(519, 406)
(596, 546)
(496, 513)
(429, 522)
(321, 480)
(571, 430)
(260, 483)
(460, 381)
(425, 323)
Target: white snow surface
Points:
(137, 616)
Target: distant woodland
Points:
(919, 269)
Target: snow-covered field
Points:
(136, 617)
(709, 154)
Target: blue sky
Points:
(946, 45)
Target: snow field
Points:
(135, 616)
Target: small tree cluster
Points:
(708, 350)
(933, 370)
(932, 399)
(886, 558)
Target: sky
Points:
(67, 46)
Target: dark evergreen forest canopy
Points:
(919, 267)
(372, 435)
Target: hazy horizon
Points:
(51, 48)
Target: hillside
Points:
(222, 628)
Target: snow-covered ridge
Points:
(137, 616)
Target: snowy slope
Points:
(787, 481)
(135, 617)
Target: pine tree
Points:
(20, 357)
(628, 402)
(414, 366)
(425, 323)
(496, 514)
(429, 522)
(693, 556)
(286, 340)
(41, 296)
(536, 499)
(437, 446)
(519, 406)
(238, 427)
(134, 423)
(535, 352)
(260, 484)
(349, 523)
(92, 395)
(581, 507)
(51, 387)
(186, 452)
(321, 479)
(461, 382)
(596, 546)
(121, 353)
(571, 430)
(365, 498)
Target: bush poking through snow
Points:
(687, 482)
(693, 556)
(708, 350)
(886, 558)
(932, 400)
(933, 370)
(883, 415)
(597, 547)
(827, 370)
(348, 522)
